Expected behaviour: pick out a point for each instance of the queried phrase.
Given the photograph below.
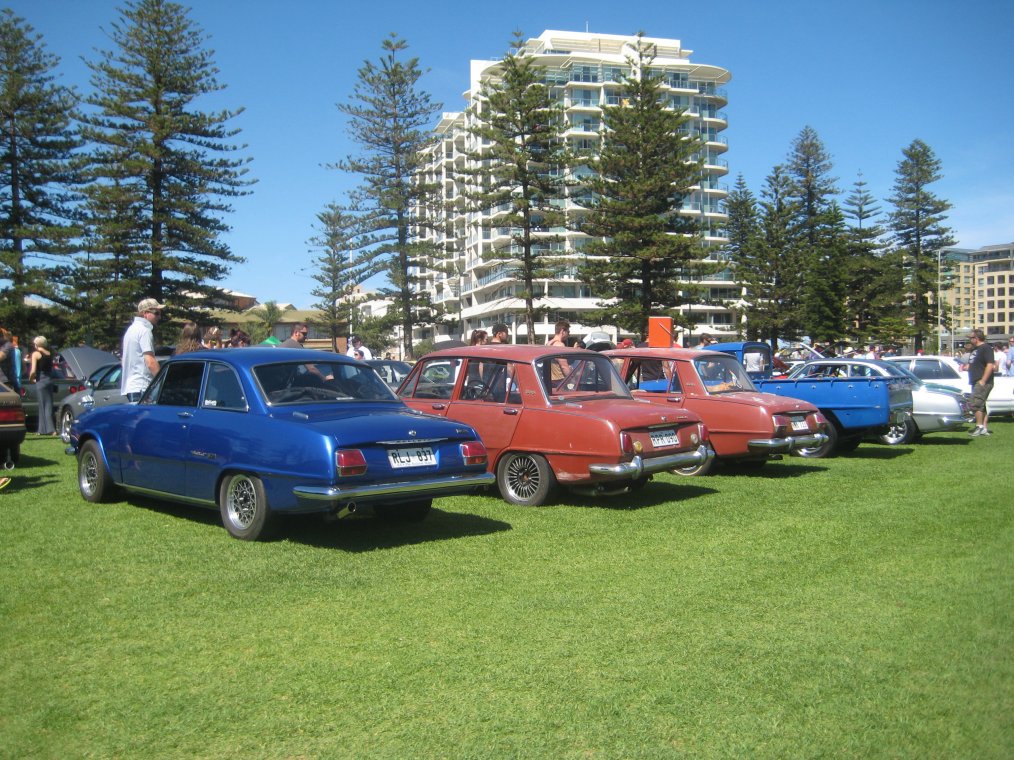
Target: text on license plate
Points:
(660, 438)
(799, 425)
(417, 457)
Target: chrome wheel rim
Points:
(523, 477)
(89, 473)
(241, 503)
(66, 421)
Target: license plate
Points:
(417, 457)
(660, 438)
(800, 425)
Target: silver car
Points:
(103, 389)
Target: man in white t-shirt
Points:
(355, 344)
(138, 359)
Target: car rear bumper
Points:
(414, 489)
(787, 444)
(638, 466)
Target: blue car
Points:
(261, 432)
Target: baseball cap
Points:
(149, 304)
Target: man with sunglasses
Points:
(297, 338)
(138, 357)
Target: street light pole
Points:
(940, 318)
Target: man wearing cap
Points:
(138, 358)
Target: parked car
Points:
(71, 367)
(391, 371)
(12, 427)
(552, 416)
(946, 370)
(855, 407)
(257, 433)
(102, 388)
(744, 425)
(933, 410)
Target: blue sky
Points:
(869, 77)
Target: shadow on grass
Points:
(656, 493)
(951, 440)
(875, 451)
(27, 460)
(357, 533)
(771, 471)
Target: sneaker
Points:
(987, 431)
(977, 432)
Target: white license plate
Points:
(800, 425)
(417, 457)
(660, 438)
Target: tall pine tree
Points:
(37, 175)
(388, 118)
(918, 231)
(154, 153)
(523, 163)
(645, 254)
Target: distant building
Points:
(977, 291)
(585, 71)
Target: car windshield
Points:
(296, 383)
(722, 374)
(565, 378)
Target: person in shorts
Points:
(981, 367)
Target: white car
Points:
(946, 370)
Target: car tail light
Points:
(819, 420)
(783, 424)
(350, 462)
(12, 414)
(704, 435)
(626, 443)
(75, 388)
(474, 453)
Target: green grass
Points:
(860, 606)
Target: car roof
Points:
(255, 356)
(509, 351)
(666, 353)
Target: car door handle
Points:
(510, 410)
(439, 406)
(184, 415)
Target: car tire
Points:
(824, 450)
(243, 503)
(697, 469)
(66, 420)
(902, 433)
(93, 478)
(412, 511)
(525, 479)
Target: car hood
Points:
(83, 360)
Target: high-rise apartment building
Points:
(979, 292)
(584, 72)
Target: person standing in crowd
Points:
(980, 375)
(190, 339)
(138, 352)
(297, 337)
(7, 368)
(478, 338)
(706, 340)
(562, 333)
(355, 345)
(40, 375)
(213, 337)
(999, 359)
(501, 333)
(1010, 358)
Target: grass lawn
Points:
(854, 607)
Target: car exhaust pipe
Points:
(348, 509)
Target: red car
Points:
(550, 415)
(744, 425)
